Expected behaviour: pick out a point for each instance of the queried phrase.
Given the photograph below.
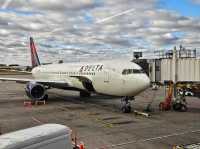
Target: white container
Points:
(47, 136)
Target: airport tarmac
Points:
(98, 121)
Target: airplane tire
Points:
(126, 109)
(85, 94)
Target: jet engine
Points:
(35, 91)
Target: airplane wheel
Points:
(85, 94)
(126, 109)
(126, 105)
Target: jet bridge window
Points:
(132, 71)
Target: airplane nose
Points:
(145, 82)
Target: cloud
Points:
(67, 29)
(51, 5)
(6, 4)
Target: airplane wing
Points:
(52, 83)
(19, 80)
(13, 70)
(24, 80)
(61, 84)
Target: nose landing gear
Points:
(126, 104)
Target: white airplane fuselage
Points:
(117, 78)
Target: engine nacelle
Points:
(35, 91)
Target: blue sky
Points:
(184, 7)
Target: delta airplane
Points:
(115, 78)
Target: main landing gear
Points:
(126, 104)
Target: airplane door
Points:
(106, 77)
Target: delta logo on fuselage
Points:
(91, 68)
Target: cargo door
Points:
(106, 77)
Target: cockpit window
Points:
(132, 71)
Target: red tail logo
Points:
(34, 57)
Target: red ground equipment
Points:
(167, 103)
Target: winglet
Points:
(34, 56)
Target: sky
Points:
(93, 30)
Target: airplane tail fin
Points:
(34, 56)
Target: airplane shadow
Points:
(105, 102)
(55, 97)
(193, 110)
